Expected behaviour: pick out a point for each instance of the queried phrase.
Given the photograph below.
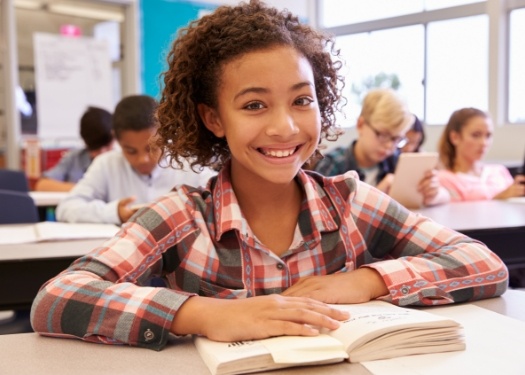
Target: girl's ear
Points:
(454, 137)
(211, 120)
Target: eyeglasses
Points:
(398, 141)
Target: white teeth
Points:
(279, 153)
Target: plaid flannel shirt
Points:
(196, 241)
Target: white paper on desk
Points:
(54, 231)
(10, 235)
(494, 346)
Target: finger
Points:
(315, 306)
(127, 200)
(326, 317)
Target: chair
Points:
(13, 180)
(16, 208)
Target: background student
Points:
(382, 127)
(131, 175)
(462, 146)
(96, 132)
(415, 137)
(263, 248)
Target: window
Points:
(517, 67)
(371, 61)
(337, 12)
(457, 68)
(446, 54)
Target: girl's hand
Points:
(254, 318)
(124, 210)
(432, 191)
(361, 285)
(517, 189)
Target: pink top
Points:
(494, 179)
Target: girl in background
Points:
(463, 144)
(415, 137)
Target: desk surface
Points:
(48, 250)
(30, 353)
(478, 215)
(47, 198)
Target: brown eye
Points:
(253, 106)
(304, 101)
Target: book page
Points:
(277, 352)
(377, 318)
(304, 349)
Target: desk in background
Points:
(30, 353)
(47, 198)
(25, 267)
(499, 224)
(46, 202)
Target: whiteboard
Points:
(71, 74)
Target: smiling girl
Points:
(265, 247)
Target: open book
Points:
(375, 330)
(54, 231)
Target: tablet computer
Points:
(410, 169)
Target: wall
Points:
(161, 20)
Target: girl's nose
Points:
(282, 124)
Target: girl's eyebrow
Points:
(257, 90)
(262, 90)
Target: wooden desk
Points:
(498, 224)
(30, 353)
(25, 267)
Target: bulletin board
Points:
(71, 74)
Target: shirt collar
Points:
(228, 215)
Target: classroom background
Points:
(440, 55)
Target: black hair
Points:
(136, 113)
(95, 128)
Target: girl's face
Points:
(473, 140)
(268, 112)
(413, 140)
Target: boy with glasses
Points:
(382, 127)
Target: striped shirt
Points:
(197, 241)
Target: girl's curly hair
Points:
(194, 71)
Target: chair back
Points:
(17, 208)
(13, 180)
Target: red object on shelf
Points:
(48, 157)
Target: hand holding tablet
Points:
(410, 169)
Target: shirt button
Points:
(149, 335)
(279, 266)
